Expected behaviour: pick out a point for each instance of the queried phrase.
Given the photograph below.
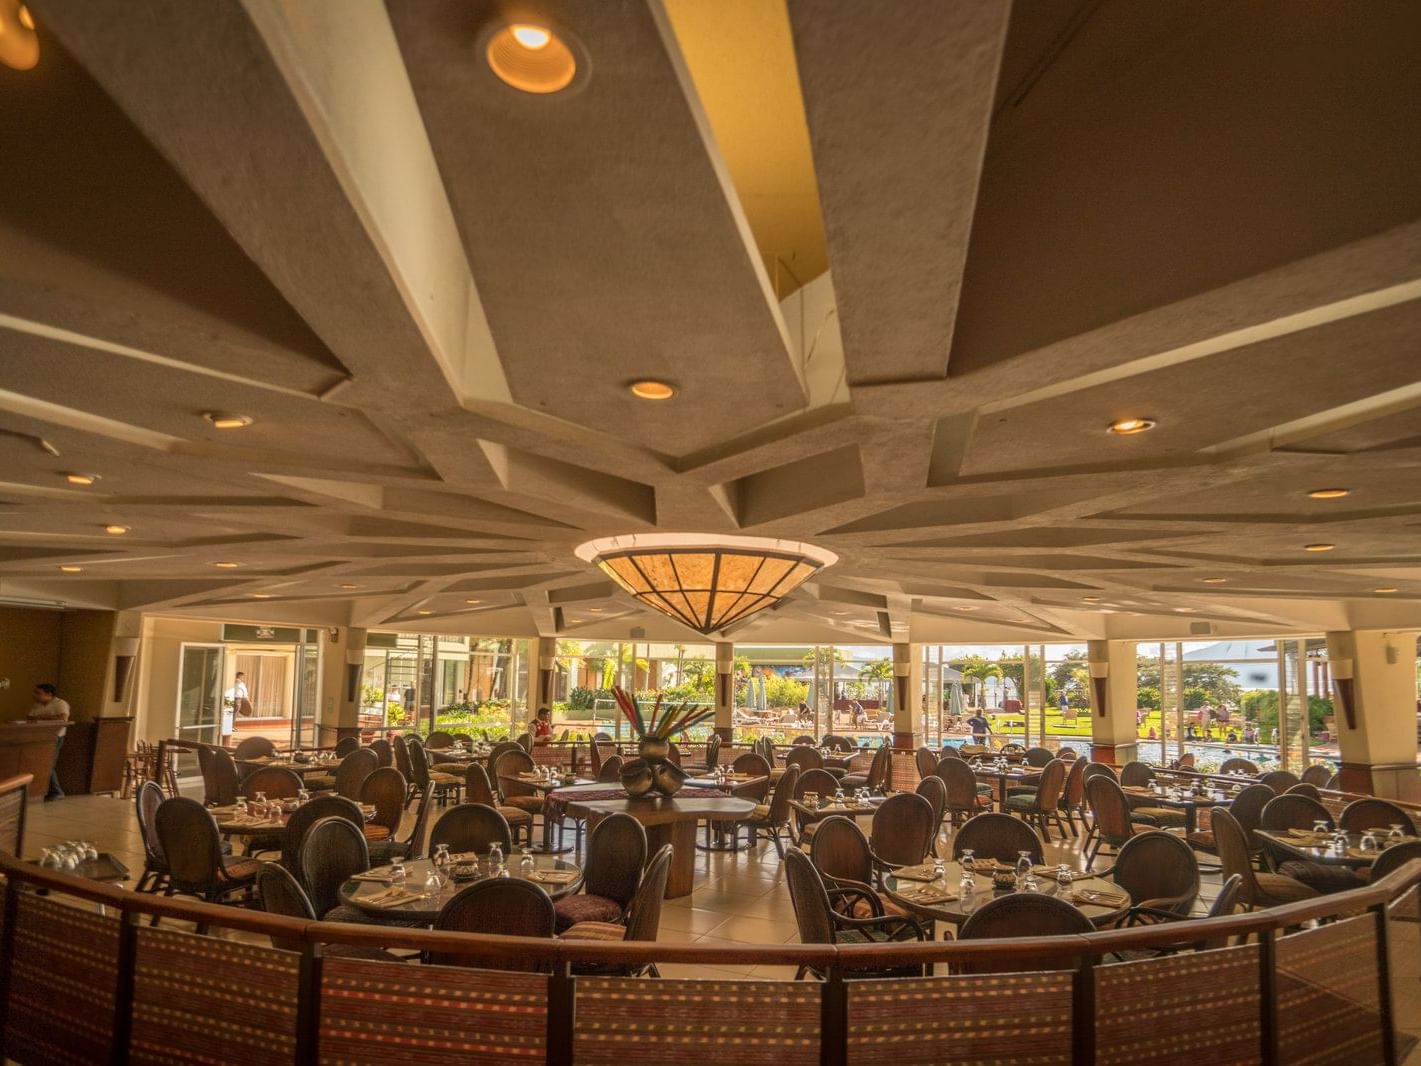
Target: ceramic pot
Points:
(651, 748)
(667, 777)
(637, 777)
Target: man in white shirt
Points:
(232, 705)
(48, 707)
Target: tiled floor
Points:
(740, 898)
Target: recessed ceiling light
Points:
(1385, 588)
(1214, 580)
(81, 479)
(227, 566)
(1318, 547)
(964, 608)
(531, 58)
(424, 612)
(116, 530)
(1090, 599)
(19, 47)
(1185, 610)
(594, 610)
(261, 595)
(1329, 494)
(348, 586)
(72, 569)
(652, 390)
(224, 420)
(1125, 427)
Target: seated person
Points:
(543, 726)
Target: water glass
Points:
(838, 797)
(259, 802)
(526, 864)
(398, 875)
(441, 857)
(241, 804)
(303, 796)
(1369, 841)
(495, 857)
(433, 884)
(1024, 879)
(1395, 835)
(968, 883)
(1063, 879)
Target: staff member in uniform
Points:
(48, 707)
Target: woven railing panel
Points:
(62, 983)
(376, 1012)
(205, 999)
(1405, 908)
(621, 1021)
(12, 809)
(1328, 995)
(982, 1018)
(1199, 1006)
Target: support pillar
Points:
(725, 690)
(542, 687)
(1113, 701)
(1374, 702)
(907, 696)
(342, 673)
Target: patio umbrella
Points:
(955, 703)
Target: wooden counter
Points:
(28, 748)
(93, 755)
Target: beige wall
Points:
(155, 704)
(86, 661)
(29, 655)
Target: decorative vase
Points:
(654, 772)
(637, 778)
(650, 748)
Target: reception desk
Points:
(28, 748)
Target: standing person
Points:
(543, 726)
(980, 727)
(236, 701)
(48, 707)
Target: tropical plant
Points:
(976, 670)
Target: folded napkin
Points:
(1307, 836)
(232, 809)
(987, 866)
(1097, 898)
(391, 897)
(370, 876)
(928, 894)
(1052, 872)
(921, 872)
(248, 822)
(554, 877)
(1358, 853)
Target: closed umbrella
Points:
(955, 703)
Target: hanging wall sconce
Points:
(1099, 674)
(1345, 686)
(354, 666)
(125, 653)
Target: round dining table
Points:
(556, 877)
(1099, 900)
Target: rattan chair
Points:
(345, 745)
(820, 781)
(997, 836)
(438, 739)
(1255, 889)
(1247, 811)
(446, 786)
(1041, 804)
(821, 916)
(384, 752)
(412, 846)
(384, 789)
(1038, 757)
(643, 921)
(477, 789)
(610, 771)
(282, 894)
(1072, 800)
(902, 831)
(147, 800)
(1239, 765)
(1021, 914)
(400, 745)
(192, 849)
(1394, 858)
(1317, 774)
(307, 815)
(332, 851)
(1302, 788)
(1372, 813)
(516, 793)
(966, 797)
(1293, 812)
(1159, 872)
(925, 761)
(1225, 903)
(1279, 781)
(834, 742)
(844, 858)
(471, 827)
(276, 781)
(507, 906)
(712, 756)
(805, 757)
(934, 791)
(1136, 775)
(616, 858)
(219, 776)
(1110, 816)
(253, 748)
(879, 772)
(773, 817)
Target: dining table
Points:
(543, 786)
(322, 765)
(1308, 846)
(1005, 777)
(364, 891)
(1183, 800)
(916, 890)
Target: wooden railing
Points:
(103, 971)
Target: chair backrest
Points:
(253, 748)
(673, 753)
(1395, 857)
(1038, 756)
(191, 847)
(509, 906)
(419, 764)
(934, 791)
(1233, 847)
(506, 770)
(809, 897)
(1051, 785)
(345, 745)
(784, 791)
(386, 789)
(1109, 808)
(803, 738)
(524, 741)
(616, 857)
(834, 742)
(752, 763)
(439, 739)
(1294, 812)
(146, 801)
(1186, 761)
(276, 781)
(414, 738)
(1318, 774)
(644, 913)
(1158, 870)
(1099, 769)
(204, 766)
(1373, 813)
(402, 757)
(959, 782)
(1073, 795)
(282, 894)
(222, 790)
(355, 768)
(1279, 781)
(384, 751)
(1066, 753)
(1240, 764)
(805, 757)
(496, 752)
(880, 769)
(1136, 774)
(997, 836)
(1247, 811)
(332, 851)
(925, 759)
(841, 852)
(820, 781)
(903, 829)
(471, 827)
(477, 787)
(713, 750)
(1021, 914)
(425, 799)
(307, 815)
(1302, 788)
(611, 771)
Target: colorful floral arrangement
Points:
(661, 723)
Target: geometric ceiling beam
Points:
(898, 105)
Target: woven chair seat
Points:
(240, 868)
(441, 778)
(585, 907)
(453, 769)
(531, 804)
(1015, 790)
(862, 908)
(1021, 803)
(1320, 877)
(850, 781)
(384, 852)
(1143, 819)
(1162, 815)
(1279, 888)
(1202, 840)
(596, 931)
(318, 782)
(759, 814)
(376, 832)
(516, 815)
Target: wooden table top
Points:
(427, 908)
(957, 909)
(659, 811)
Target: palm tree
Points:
(978, 671)
(881, 674)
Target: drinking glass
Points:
(441, 857)
(433, 884)
(303, 796)
(241, 804)
(1319, 827)
(1023, 871)
(526, 864)
(1369, 841)
(398, 874)
(259, 800)
(1063, 879)
(938, 869)
(968, 882)
(495, 857)
(1395, 835)
(838, 797)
